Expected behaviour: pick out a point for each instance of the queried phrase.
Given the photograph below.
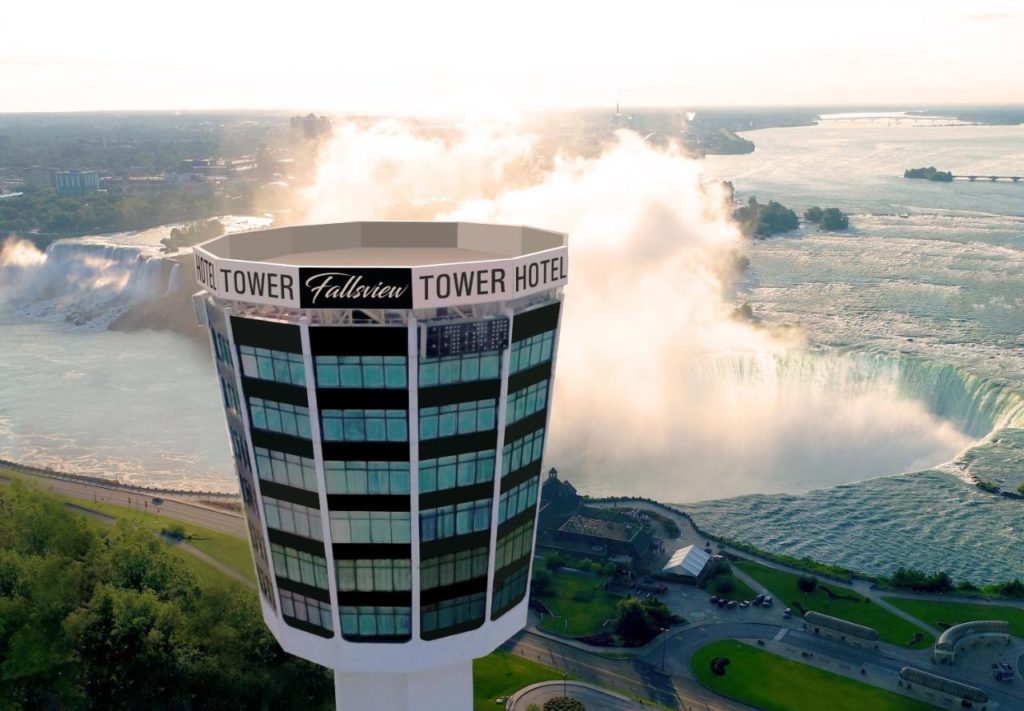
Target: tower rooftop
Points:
(383, 244)
(399, 265)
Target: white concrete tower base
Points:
(443, 689)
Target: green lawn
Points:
(891, 628)
(941, 614)
(501, 674)
(230, 550)
(736, 588)
(773, 683)
(577, 618)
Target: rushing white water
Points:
(929, 278)
(86, 281)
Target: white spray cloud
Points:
(643, 403)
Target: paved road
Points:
(593, 697)
(638, 677)
(883, 665)
(179, 508)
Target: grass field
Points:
(227, 549)
(773, 683)
(739, 590)
(501, 674)
(859, 609)
(576, 617)
(230, 550)
(943, 614)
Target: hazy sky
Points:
(450, 56)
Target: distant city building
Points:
(311, 125)
(387, 389)
(77, 182)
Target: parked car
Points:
(767, 602)
(745, 603)
(758, 600)
(787, 613)
(732, 604)
(714, 599)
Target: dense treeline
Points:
(831, 219)
(192, 233)
(45, 211)
(95, 617)
(929, 173)
(757, 220)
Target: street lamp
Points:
(564, 692)
(664, 643)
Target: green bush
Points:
(177, 532)
(807, 583)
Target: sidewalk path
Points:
(173, 506)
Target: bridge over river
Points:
(991, 178)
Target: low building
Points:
(558, 501)
(841, 630)
(605, 537)
(77, 182)
(959, 638)
(939, 690)
(689, 564)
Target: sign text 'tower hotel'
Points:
(381, 287)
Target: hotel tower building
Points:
(387, 389)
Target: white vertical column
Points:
(413, 378)
(247, 425)
(321, 477)
(506, 358)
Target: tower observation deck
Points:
(387, 389)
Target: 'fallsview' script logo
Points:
(324, 285)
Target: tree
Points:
(807, 583)
(813, 214)
(834, 220)
(100, 617)
(633, 622)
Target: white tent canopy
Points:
(689, 561)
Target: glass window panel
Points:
(429, 374)
(354, 429)
(373, 376)
(351, 376)
(490, 366)
(395, 375)
(327, 375)
(447, 424)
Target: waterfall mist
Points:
(644, 402)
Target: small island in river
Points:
(929, 173)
